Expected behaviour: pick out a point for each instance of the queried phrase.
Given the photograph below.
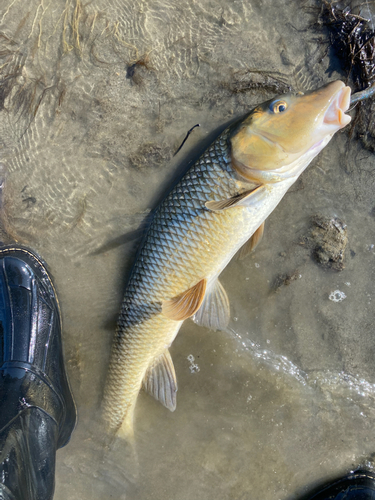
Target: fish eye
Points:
(278, 106)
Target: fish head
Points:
(281, 136)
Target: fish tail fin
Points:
(120, 464)
(120, 458)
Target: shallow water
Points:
(284, 398)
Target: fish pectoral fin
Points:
(185, 304)
(246, 199)
(214, 312)
(251, 243)
(160, 381)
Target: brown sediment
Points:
(327, 240)
(150, 154)
(253, 79)
(284, 280)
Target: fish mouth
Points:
(340, 102)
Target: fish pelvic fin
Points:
(185, 304)
(251, 243)
(160, 380)
(214, 312)
(246, 199)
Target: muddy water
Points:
(96, 99)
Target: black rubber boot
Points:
(37, 411)
(358, 485)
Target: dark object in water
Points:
(132, 72)
(328, 240)
(358, 485)
(285, 280)
(186, 137)
(28, 200)
(353, 40)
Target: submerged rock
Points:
(328, 240)
(285, 279)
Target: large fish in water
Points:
(217, 208)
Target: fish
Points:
(216, 210)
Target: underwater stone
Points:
(328, 240)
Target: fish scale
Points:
(182, 211)
(221, 201)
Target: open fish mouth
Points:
(335, 114)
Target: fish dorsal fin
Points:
(160, 381)
(185, 304)
(214, 312)
(246, 199)
(251, 243)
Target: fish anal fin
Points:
(252, 242)
(214, 312)
(185, 304)
(246, 199)
(160, 381)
